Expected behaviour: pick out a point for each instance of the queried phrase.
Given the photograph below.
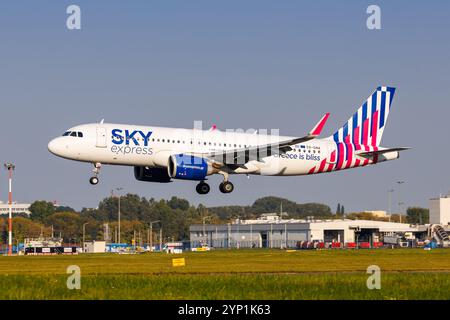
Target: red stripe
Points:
(333, 156)
(365, 132)
(332, 159)
(341, 158)
(350, 156)
(365, 139)
(312, 170)
(322, 165)
(357, 162)
(356, 136)
(374, 128)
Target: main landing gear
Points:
(225, 187)
(203, 188)
(94, 180)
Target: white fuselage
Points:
(133, 145)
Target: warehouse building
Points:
(16, 208)
(270, 231)
(440, 210)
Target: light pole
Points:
(204, 229)
(118, 218)
(151, 234)
(399, 201)
(10, 167)
(84, 232)
(390, 191)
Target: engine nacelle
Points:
(187, 167)
(151, 174)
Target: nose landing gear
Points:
(94, 180)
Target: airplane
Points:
(161, 154)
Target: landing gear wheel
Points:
(203, 188)
(93, 181)
(226, 187)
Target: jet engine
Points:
(188, 167)
(151, 174)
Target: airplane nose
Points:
(54, 146)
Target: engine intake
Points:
(188, 167)
(151, 174)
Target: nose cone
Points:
(55, 146)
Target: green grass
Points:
(238, 274)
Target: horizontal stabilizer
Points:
(365, 154)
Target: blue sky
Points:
(238, 64)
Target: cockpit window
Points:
(73, 134)
(80, 134)
(66, 133)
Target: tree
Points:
(25, 228)
(177, 203)
(40, 210)
(66, 223)
(64, 209)
(342, 210)
(338, 210)
(418, 215)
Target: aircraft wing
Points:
(368, 154)
(239, 157)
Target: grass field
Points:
(237, 274)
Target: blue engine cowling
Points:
(188, 167)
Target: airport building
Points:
(270, 231)
(440, 210)
(16, 208)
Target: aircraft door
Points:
(101, 138)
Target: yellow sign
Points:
(290, 251)
(178, 262)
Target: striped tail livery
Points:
(357, 143)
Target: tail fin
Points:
(367, 124)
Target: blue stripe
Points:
(355, 124)
(336, 136)
(383, 109)
(364, 117)
(345, 131)
(338, 155)
(343, 138)
(374, 108)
